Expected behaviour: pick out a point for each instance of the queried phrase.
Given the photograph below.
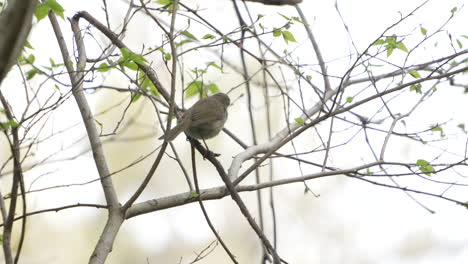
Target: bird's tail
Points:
(174, 132)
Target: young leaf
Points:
(276, 32)
(8, 124)
(299, 121)
(415, 74)
(462, 127)
(213, 88)
(389, 51)
(416, 87)
(31, 73)
(425, 167)
(194, 88)
(378, 42)
(285, 17)
(146, 84)
(41, 11)
(136, 97)
(56, 8)
(438, 129)
(213, 64)
(130, 65)
(288, 36)
(349, 99)
(185, 41)
(103, 67)
(401, 46)
(300, 21)
(188, 35)
(164, 2)
(208, 36)
(423, 31)
(28, 45)
(125, 53)
(460, 45)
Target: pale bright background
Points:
(351, 222)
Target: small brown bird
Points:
(203, 120)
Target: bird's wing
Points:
(209, 111)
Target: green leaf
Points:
(194, 194)
(136, 97)
(103, 67)
(213, 64)
(28, 45)
(213, 88)
(185, 41)
(208, 36)
(130, 65)
(349, 99)
(31, 73)
(416, 87)
(438, 129)
(401, 46)
(56, 8)
(194, 88)
(8, 124)
(276, 32)
(188, 35)
(460, 45)
(129, 55)
(389, 52)
(369, 172)
(288, 36)
(299, 20)
(285, 17)
(30, 59)
(423, 31)
(425, 167)
(125, 53)
(167, 56)
(462, 127)
(146, 84)
(138, 58)
(378, 42)
(52, 62)
(453, 10)
(41, 11)
(415, 74)
(164, 2)
(299, 121)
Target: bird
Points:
(204, 120)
